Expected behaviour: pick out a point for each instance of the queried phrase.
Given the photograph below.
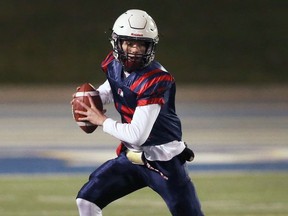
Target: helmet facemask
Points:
(131, 61)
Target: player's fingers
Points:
(91, 102)
(81, 112)
(83, 104)
(83, 119)
(72, 101)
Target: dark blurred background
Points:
(202, 42)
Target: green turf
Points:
(233, 194)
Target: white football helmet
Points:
(134, 25)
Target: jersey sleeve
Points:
(109, 58)
(151, 87)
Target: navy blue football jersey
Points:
(150, 85)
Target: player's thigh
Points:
(178, 190)
(112, 180)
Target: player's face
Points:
(134, 51)
(134, 48)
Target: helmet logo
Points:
(137, 35)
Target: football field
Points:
(239, 137)
(221, 194)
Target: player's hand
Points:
(92, 114)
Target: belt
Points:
(137, 158)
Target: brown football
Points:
(82, 95)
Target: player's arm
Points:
(136, 132)
(105, 93)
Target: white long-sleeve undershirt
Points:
(136, 132)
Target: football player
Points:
(152, 152)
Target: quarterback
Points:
(151, 151)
